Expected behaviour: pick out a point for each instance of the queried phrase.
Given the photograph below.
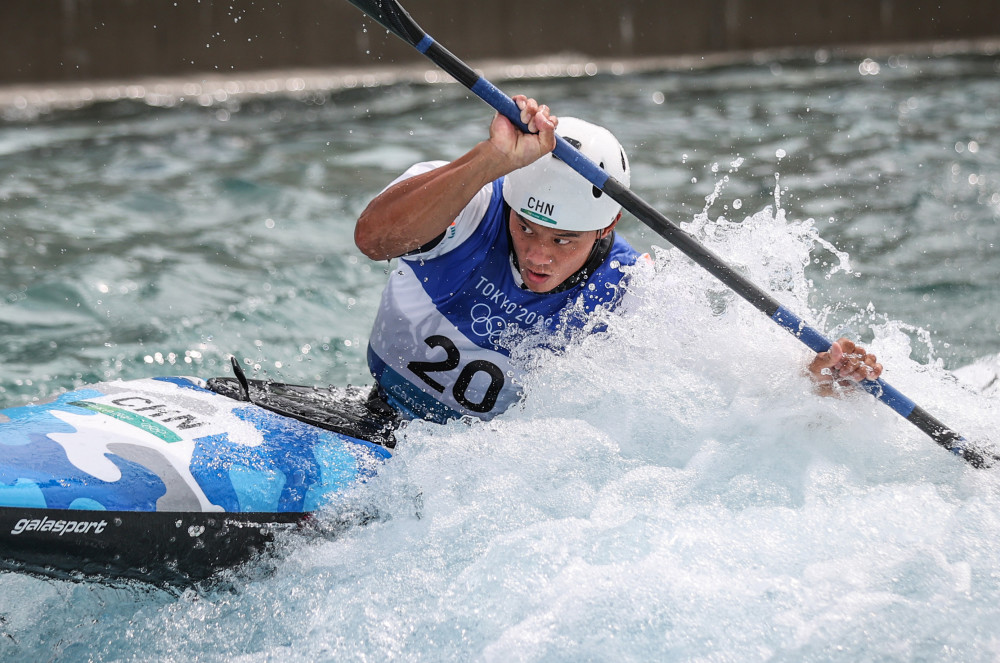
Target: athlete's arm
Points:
(413, 212)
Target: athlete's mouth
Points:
(533, 275)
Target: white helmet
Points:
(550, 192)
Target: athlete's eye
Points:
(525, 229)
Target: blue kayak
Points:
(172, 479)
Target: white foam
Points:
(671, 490)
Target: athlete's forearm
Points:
(413, 212)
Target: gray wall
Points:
(69, 40)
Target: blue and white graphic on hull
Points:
(170, 445)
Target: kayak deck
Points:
(167, 479)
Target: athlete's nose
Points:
(538, 254)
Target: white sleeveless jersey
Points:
(437, 349)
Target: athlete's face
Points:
(549, 256)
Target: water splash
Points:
(671, 489)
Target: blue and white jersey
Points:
(436, 348)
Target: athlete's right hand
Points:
(517, 148)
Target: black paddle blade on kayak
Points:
(393, 18)
(349, 411)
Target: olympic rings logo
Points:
(485, 324)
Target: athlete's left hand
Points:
(846, 363)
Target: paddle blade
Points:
(391, 15)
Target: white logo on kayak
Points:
(60, 527)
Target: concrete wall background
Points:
(73, 40)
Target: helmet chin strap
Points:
(598, 252)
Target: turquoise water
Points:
(670, 491)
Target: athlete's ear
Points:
(607, 231)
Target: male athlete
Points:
(504, 238)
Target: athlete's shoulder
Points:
(623, 252)
(467, 225)
(611, 280)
